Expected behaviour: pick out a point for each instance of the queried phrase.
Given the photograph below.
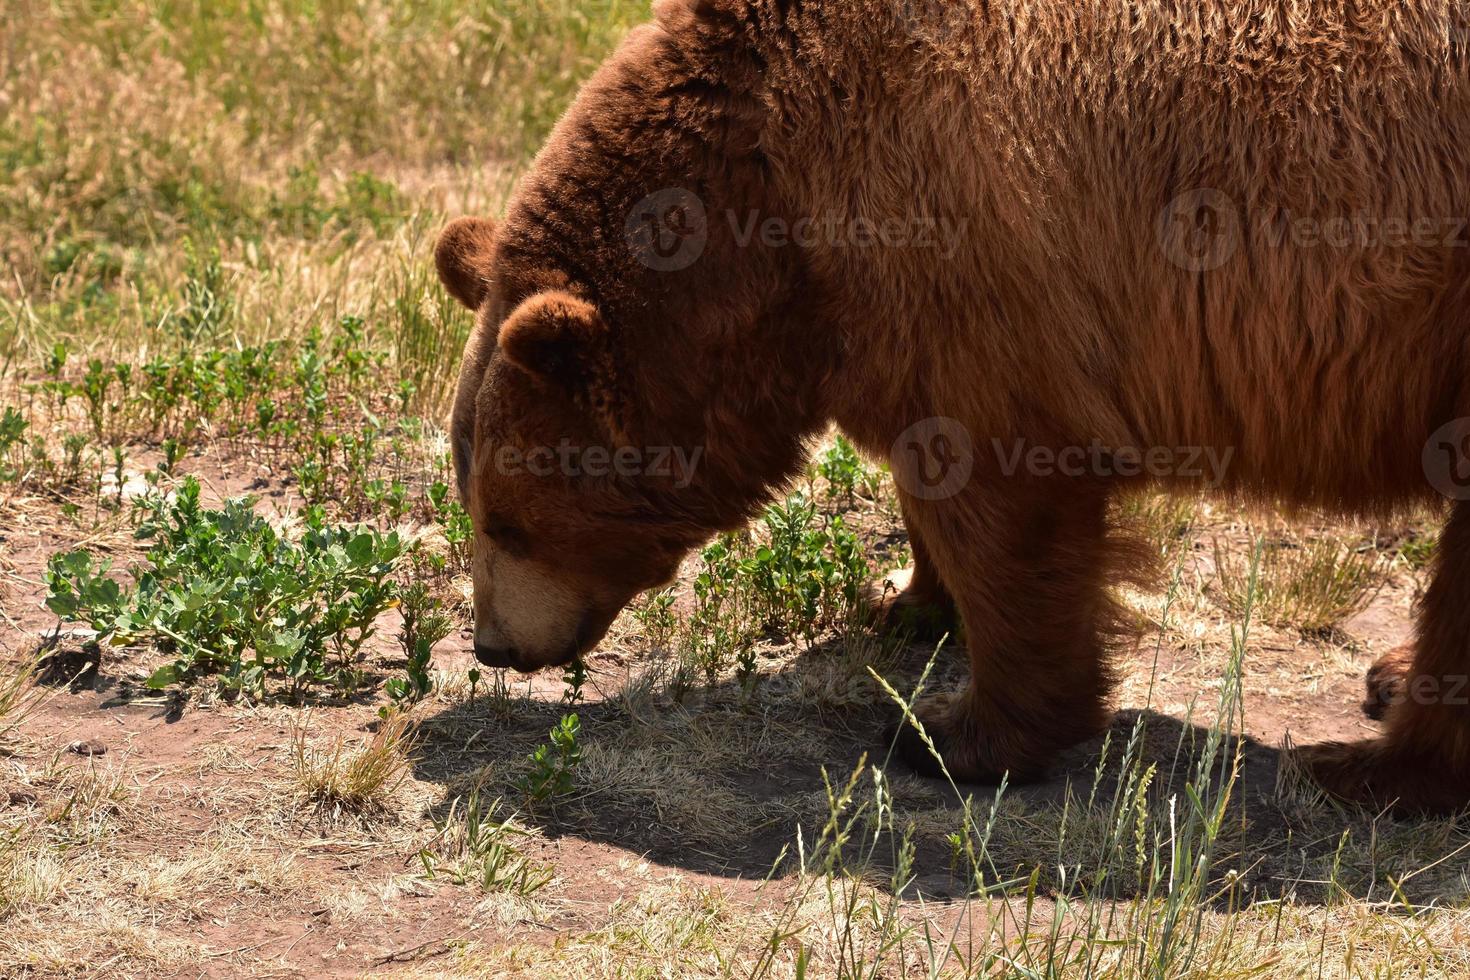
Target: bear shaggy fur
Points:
(948, 226)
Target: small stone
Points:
(88, 747)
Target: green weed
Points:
(227, 594)
(473, 846)
(424, 624)
(846, 474)
(804, 577)
(553, 763)
(13, 427)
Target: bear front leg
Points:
(1028, 566)
(913, 600)
(1421, 764)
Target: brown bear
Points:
(1032, 251)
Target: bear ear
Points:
(559, 339)
(463, 259)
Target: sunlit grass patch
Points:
(1311, 584)
(666, 929)
(1163, 520)
(233, 865)
(353, 779)
(87, 801)
(32, 873)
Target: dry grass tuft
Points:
(353, 780)
(1163, 520)
(19, 695)
(32, 874)
(231, 864)
(90, 799)
(1309, 584)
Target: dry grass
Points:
(1163, 520)
(348, 779)
(1309, 583)
(88, 800)
(31, 875)
(19, 695)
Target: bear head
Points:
(640, 375)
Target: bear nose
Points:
(496, 657)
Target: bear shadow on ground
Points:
(719, 784)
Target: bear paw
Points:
(896, 604)
(1387, 681)
(969, 757)
(1376, 773)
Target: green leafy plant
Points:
(80, 591)
(454, 522)
(552, 763)
(845, 473)
(424, 624)
(574, 677)
(805, 576)
(719, 625)
(13, 427)
(228, 594)
(655, 613)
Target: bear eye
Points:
(505, 534)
